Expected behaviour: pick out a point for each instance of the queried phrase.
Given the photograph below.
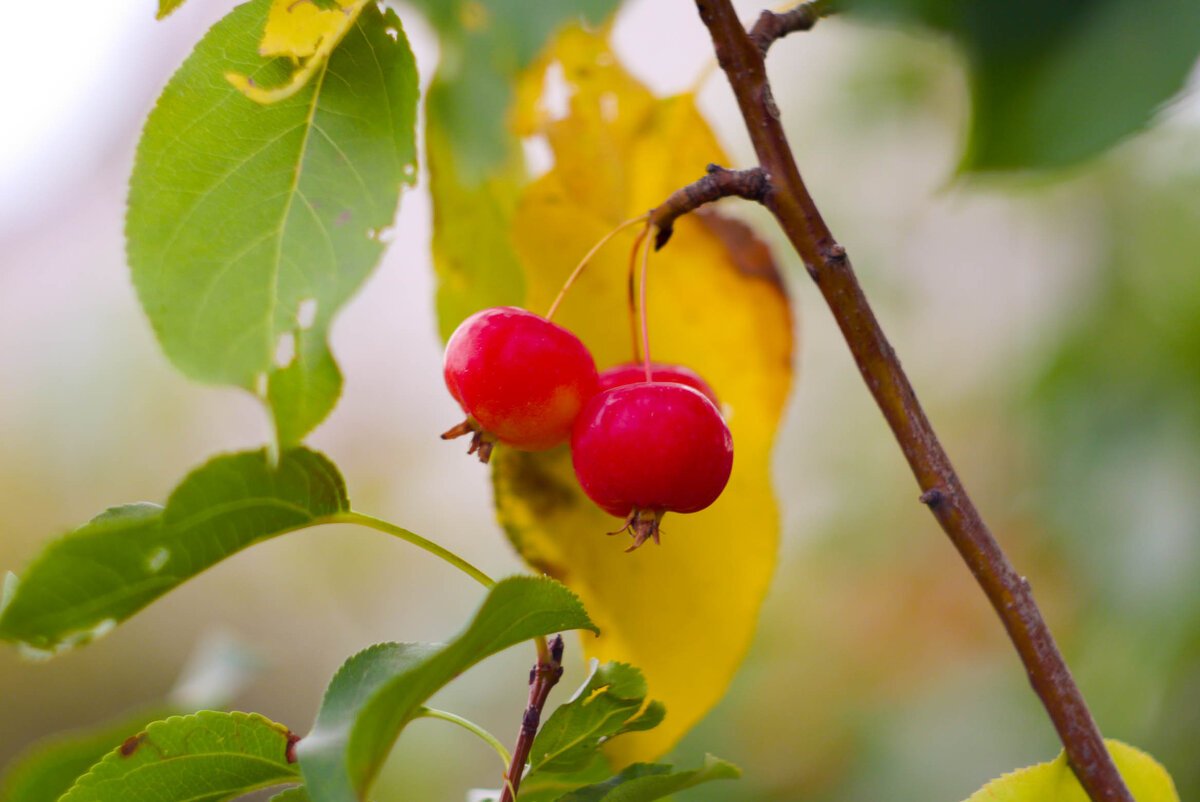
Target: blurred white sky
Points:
(60, 79)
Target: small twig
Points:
(741, 57)
(772, 26)
(542, 677)
(718, 183)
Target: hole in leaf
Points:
(157, 559)
(285, 350)
(306, 313)
(609, 106)
(556, 92)
(409, 169)
(539, 156)
(393, 33)
(385, 234)
(260, 385)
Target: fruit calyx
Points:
(642, 525)
(643, 449)
(482, 442)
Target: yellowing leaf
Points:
(1055, 782)
(683, 612)
(305, 31)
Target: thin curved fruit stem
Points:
(587, 258)
(472, 727)
(380, 525)
(741, 56)
(644, 315)
(632, 285)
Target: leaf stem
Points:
(787, 198)
(372, 522)
(470, 726)
(542, 678)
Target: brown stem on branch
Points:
(772, 26)
(542, 677)
(718, 183)
(741, 57)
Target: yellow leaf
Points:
(1148, 781)
(683, 612)
(306, 31)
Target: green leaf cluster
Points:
(380, 690)
(566, 761)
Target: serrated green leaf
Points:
(551, 786)
(205, 757)
(250, 225)
(1055, 782)
(48, 769)
(1056, 83)
(89, 580)
(643, 782)
(606, 706)
(378, 691)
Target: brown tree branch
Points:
(542, 678)
(741, 57)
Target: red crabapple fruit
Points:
(521, 379)
(643, 449)
(632, 372)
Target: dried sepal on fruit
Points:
(521, 379)
(644, 449)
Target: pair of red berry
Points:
(639, 448)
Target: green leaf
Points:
(484, 45)
(295, 794)
(50, 767)
(378, 691)
(476, 168)
(250, 225)
(606, 706)
(549, 786)
(1055, 782)
(1056, 83)
(215, 673)
(473, 252)
(89, 580)
(643, 782)
(206, 757)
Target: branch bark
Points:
(741, 56)
(542, 678)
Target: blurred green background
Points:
(1051, 326)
